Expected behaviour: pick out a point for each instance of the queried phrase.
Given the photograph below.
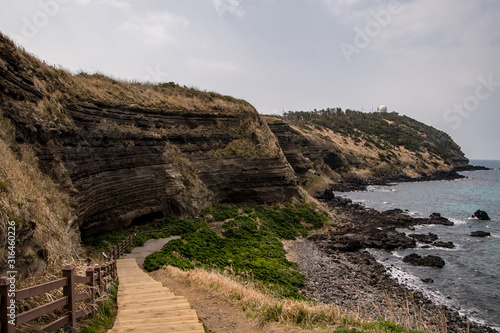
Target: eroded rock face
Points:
(302, 151)
(125, 164)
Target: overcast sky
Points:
(437, 61)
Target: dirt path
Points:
(217, 314)
(152, 245)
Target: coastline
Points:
(340, 270)
(356, 184)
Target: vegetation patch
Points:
(166, 227)
(105, 313)
(268, 308)
(249, 245)
(381, 129)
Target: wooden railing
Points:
(96, 278)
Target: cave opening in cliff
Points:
(146, 219)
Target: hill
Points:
(331, 146)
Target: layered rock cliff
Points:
(86, 153)
(127, 153)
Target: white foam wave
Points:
(397, 254)
(457, 221)
(413, 213)
(413, 282)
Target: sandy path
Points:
(152, 245)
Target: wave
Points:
(414, 283)
(458, 221)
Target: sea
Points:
(470, 280)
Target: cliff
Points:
(86, 154)
(333, 148)
(125, 153)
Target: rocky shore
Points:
(341, 271)
(356, 184)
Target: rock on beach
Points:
(430, 261)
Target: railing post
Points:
(105, 274)
(7, 304)
(90, 273)
(97, 268)
(113, 273)
(69, 292)
(108, 270)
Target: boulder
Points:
(481, 215)
(429, 238)
(430, 261)
(435, 216)
(480, 234)
(446, 245)
(440, 219)
(428, 280)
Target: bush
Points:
(221, 212)
(250, 245)
(179, 227)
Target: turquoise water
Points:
(470, 280)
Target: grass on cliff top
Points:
(249, 244)
(383, 130)
(97, 87)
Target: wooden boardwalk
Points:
(144, 305)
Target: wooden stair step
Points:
(150, 302)
(152, 317)
(145, 306)
(162, 327)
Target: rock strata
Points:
(126, 159)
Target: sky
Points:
(435, 61)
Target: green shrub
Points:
(221, 212)
(249, 246)
(179, 227)
(346, 330)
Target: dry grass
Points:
(267, 307)
(44, 222)
(38, 206)
(164, 97)
(84, 87)
(401, 159)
